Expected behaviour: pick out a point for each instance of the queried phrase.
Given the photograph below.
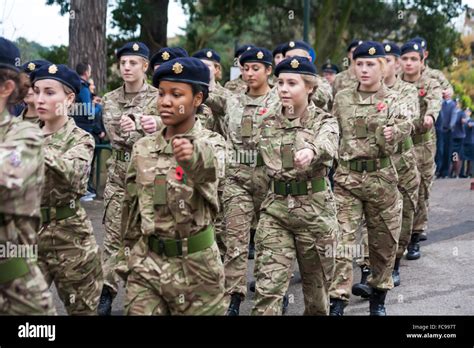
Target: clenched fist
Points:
(182, 149)
(303, 158)
(388, 134)
(127, 124)
(148, 124)
(428, 122)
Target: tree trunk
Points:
(154, 23)
(87, 41)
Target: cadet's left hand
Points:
(388, 134)
(182, 149)
(428, 122)
(303, 158)
(148, 124)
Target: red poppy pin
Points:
(263, 111)
(179, 174)
(381, 106)
(422, 92)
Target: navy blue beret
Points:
(354, 43)
(411, 46)
(59, 73)
(421, 41)
(256, 55)
(33, 65)
(278, 50)
(9, 55)
(328, 67)
(167, 53)
(369, 49)
(296, 65)
(134, 48)
(187, 70)
(293, 45)
(242, 49)
(208, 54)
(391, 48)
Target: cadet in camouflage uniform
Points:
(373, 121)
(68, 253)
(424, 136)
(322, 96)
(29, 112)
(347, 77)
(246, 182)
(23, 290)
(238, 85)
(298, 217)
(176, 267)
(129, 113)
(165, 54)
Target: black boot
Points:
(423, 236)
(336, 307)
(234, 306)
(396, 273)
(252, 286)
(362, 289)
(377, 302)
(105, 302)
(285, 304)
(414, 247)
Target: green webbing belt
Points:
(248, 161)
(61, 213)
(366, 165)
(174, 247)
(298, 188)
(120, 155)
(12, 269)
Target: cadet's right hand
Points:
(127, 124)
(182, 149)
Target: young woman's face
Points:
(211, 67)
(255, 74)
(176, 103)
(368, 71)
(51, 100)
(292, 90)
(278, 58)
(411, 63)
(30, 97)
(393, 64)
(132, 68)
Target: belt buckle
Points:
(288, 188)
(161, 247)
(363, 166)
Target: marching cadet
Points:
(278, 54)
(347, 77)
(129, 113)
(29, 112)
(373, 121)
(175, 267)
(23, 289)
(238, 85)
(165, 54)
(68, 253)
(404, 158)
(322, 96)
(246, 182)
(298, 216)
(423, 135)
(329, 72)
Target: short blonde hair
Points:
(312, 82)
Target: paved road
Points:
(440, 283)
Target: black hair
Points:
(81, 68)
(205, 92)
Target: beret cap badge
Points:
(372, 51)
(295, 64)
(165, 55)
(177, 68)
(291, 44)
(387, 48)
(415, 46)
(209, 54)
(53, 69)
(31, 66)
(135, 47)
(260, 55)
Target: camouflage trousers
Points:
(219, 226)
(301, 227)
(113, 200)
(27, 295)
(69, 256)
(424, 154)
(408, 185)
(244, 192)
(363, 240)
(375, 196)
(189, 285)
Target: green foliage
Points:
(56, 54)
(29, 49)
